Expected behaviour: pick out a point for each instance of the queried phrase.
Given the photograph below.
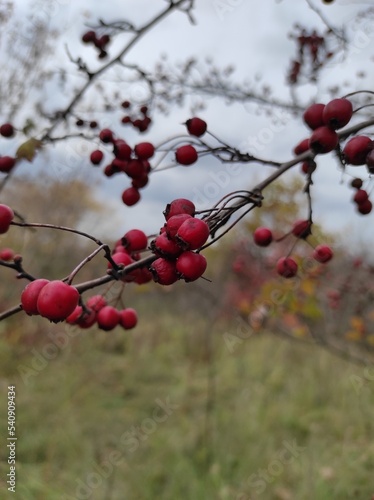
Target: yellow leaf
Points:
(27, 150)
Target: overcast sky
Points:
(250, 35)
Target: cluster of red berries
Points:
(361, 197)
(176, 245)
(132, 162)
(7, 162)
(99, 42)
(139, 120)
(287, 266)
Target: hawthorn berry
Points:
(6, 254)
(196, 126)
(30, 296)
(93, 124)
(301, 228)
(7, 163)
(89, 37)
(301, 147)
(313, 116)
(144, 150)
(322, 253)
(130, 196)
(192, 234)
(337, 113)
(106, 135)
(365, 207)
(96, 157)
(163, 246)
(179, 206)
(96, 302)
(191, 265)
(57, 300)
(121, 149)
(287, 267)
(361, 196)
(164, 271)
(186, 155)
(7, 130)
(370, 161)
(173, 224)
(126, 104)
(356, 183)
(262, 236)
(135, 240)
(84, 318)
(140, 181)
(122, 259)
(128, 318)
(108, 318)
(6, 217)
(135, 169)
(356, 150)
(141, 276)
(323, 140)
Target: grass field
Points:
(168, 412)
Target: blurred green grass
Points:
(234, 413)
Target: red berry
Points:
(186, 155)
(337, 113)
(102, 42)
(30, 296)
(106, 135)
(96, 302)
(140, 181)
(313, 116)
(357, 183)
(141, 275)
(165, 247)
(135, 169)
(93, 124)
(190, 265)
(144, 110)
(369, 160)
(262, 236)
(357, 149)
(108, 318)
(196, 126)
(365, 207)
(6, 217)
(287, 267)
(130, 196)
(7, 163)
(164, 271)
(96, 157)
(6, 254)
(128, 318)
(192, 234)
(144, 150)
(323, 140)
(82, 317)
(57, 300)
(179, 206)
(361, 196)
(126, 104)
(122, 259)
(7, 130)
(135, 240)
(173, 224)
(301, 147)
(121, 150)
(89, 36)
(301, 228)
(322, 253)
(109, 170)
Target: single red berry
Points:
(96, 302)
(301, 228)
(7, 163)
(313, 116)
(135, 169)
(262, 236)
(144, 150)
(287, 267)
(135, 240)
(126, 104)
(163, 246)
(30, 294)
(102, 42)
(122, 259)
(196, 126)
(141, 276)
(6, 254)
(89, 37)
(164, 271)
(323, 140)
(337, 113)
(365, 207)
(192, 234)
(322, 253)
(128, 318)
(356, 183)
(173, 224)
(87, 318)
(109, 170)
(361, 196)
(94, 124)
(179, 206)
(108, 318)
(106, 135)
(190, 265)
(140, 181)
(121, 149)
(301, 147)
(130, 196)
(57, 300)
(7, 130)
(96, 157)
(186, 155)
(144, 110)
(357, 149)
(6, 217)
